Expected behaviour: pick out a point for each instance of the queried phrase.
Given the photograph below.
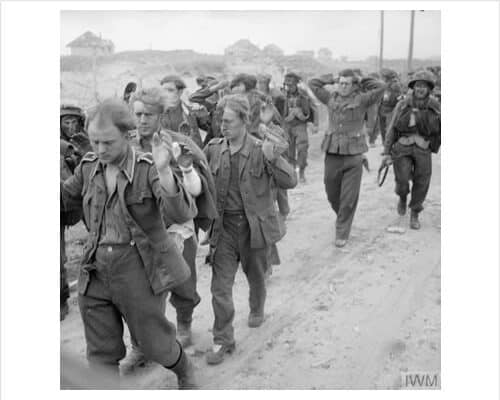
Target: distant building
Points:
(90, 44)
(243, 49)
(273, 51)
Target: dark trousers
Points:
(384, 120)
(233, 247)
(372, 124)
(63, 279)
(298, 146)
(184, 297)
(412, 163)
(342, 184)
(119, 288)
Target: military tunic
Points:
(128, 280)
(344, 146)
(243, 236)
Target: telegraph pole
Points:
(94, 74)
(410, 50)
(381, 55)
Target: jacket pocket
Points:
(138, 197)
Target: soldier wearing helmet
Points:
(73, 145)
(412, 136)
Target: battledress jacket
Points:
(257, 178)
(144, 202)
(427, 122)
(346, 115)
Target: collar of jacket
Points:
(127, 165)
(429, 102)
(245, 149)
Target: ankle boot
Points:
(402, 206)
(414, 223)
(302, 177)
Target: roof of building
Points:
(89, 39)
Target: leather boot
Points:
(414, 223)
(302, 177)
(134, 359)
(184, 369)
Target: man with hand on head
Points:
(345, 143)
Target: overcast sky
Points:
(351, 33)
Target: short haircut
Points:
(150, 97)
(179, 83)
(293, 76)
(131, 87)
(249, 81)
(237, 103)
(111, 112)
(346, 73)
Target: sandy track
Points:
(335, 318)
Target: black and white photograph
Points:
(310, 158)
(250, 197)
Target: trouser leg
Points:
(302, 144)
(140, 307)
(292, 147)
(333, 179)
(383, 125)
(349, 195)
(421, 178)
(254, 263)
(185, 297)
(102, 324)
(64, 293)
(224, 267)
(403, 169)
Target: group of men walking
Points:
(144, 181)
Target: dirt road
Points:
(352, 318)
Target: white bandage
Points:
(191, 180)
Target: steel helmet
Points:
(423, 75)
(76, 111)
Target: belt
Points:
(234, 214)
(414, 139)
(110, 247)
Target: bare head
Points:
(108, 125)
(148, 106)
(235, 117)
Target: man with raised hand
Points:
(129, 262)
(244, 168)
